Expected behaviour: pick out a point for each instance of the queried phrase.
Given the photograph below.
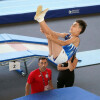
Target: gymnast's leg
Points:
(40, 18)
(54, 49)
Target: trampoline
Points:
(16, 47)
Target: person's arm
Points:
(71, 65)
(50, 84)
(62, 35)
(60, 68)
(61, 42)
(56, 33)
(27, 88)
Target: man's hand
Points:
(70, 66)
(60, 68)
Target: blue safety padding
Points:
(1, 39)
(28, 39)
(4, 38)
(69, 93)
(19, 38)
(12, 11)
(21, 54)
(39, 53)
(88, 57)
(14, 55)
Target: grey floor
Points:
(12, 85)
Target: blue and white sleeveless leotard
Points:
(70, 49)
(67, 52)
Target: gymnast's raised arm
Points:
(74, 40)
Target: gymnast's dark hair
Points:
(42, 58)
(82, 25)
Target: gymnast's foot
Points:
(40, 14)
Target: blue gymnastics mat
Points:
(69, 93)
(12, 11)
(5, 37)
(86, 57)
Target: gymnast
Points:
(60, 51)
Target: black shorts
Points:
(65, 78)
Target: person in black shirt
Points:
(66, 73)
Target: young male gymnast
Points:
(60, 51)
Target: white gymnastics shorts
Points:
(61, 58)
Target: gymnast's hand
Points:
(41, 30)
(49, 36)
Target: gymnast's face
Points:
(43, 64)
(75, 29)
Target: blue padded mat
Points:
(24, 10)
(21, 54)
(14, 55)
(19, 38)
(88, 57)
(70, 93)
(39, 53)
(4, 38)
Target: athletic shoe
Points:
(40, 14)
